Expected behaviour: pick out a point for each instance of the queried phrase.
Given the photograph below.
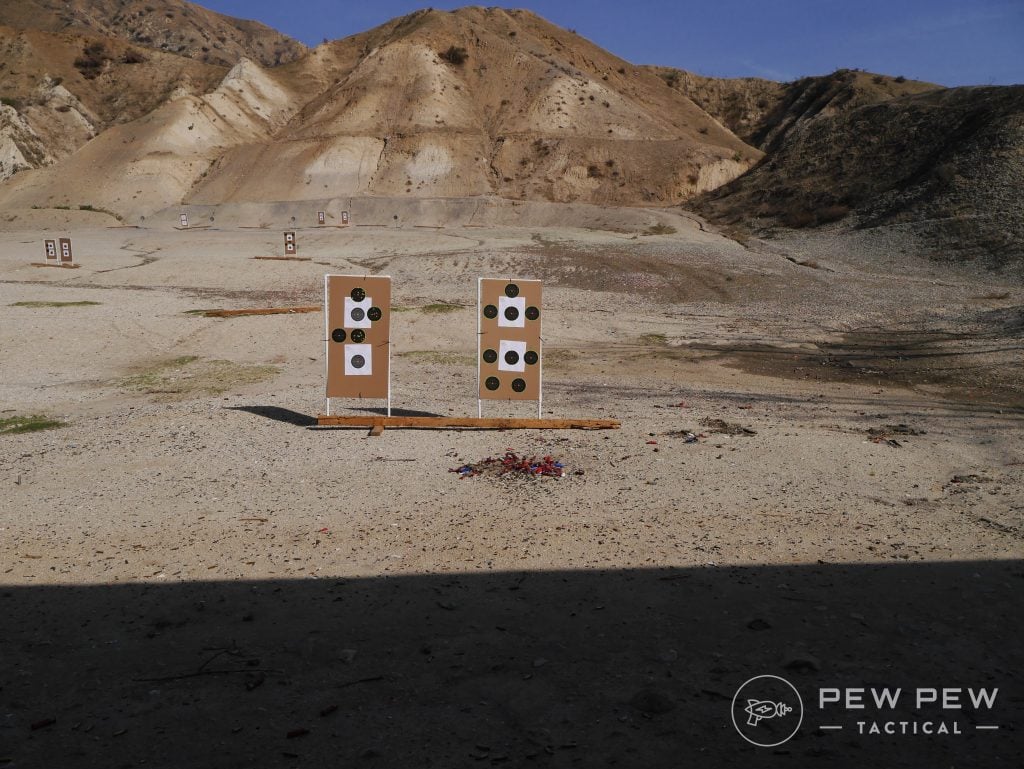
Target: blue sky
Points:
(962, 42)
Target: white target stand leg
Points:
(328, 407)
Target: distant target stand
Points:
(58, 253)
(321, 218)
(357, 312)
(291, 248)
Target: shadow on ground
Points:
(550, 669)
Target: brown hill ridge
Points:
(59, 90)
(945, 165)
(172, 26)
(435, 104)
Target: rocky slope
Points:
(435, 104)
(172, 26)
(59, 90)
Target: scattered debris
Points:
(881, 434)
(722, 427)
(687, 435)
(514, 464)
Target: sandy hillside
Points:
(194, 574)
(172, 26)
(521, 109)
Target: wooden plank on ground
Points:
(447, 423)
(285, 258)
(260, 311)
(65, 266)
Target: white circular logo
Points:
(767, 711)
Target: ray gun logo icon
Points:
(757, 710)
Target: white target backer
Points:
(511, 312)
(356, 312)
(510, 355)
(358, 360)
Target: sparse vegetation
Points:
(455, 55)
(671, 78)
(9, 101)
(187, 374)
(38, 304)
(439, 308)
(28, 424)
(93, 60)
(660, 229)
(132, 56)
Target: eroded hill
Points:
(435, 104)
(171, 26)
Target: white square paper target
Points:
(358, 360)
(511, 312)
(356, 312)
(510, 355)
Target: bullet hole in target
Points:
(358, 294)
(358, 335)
(374, 313)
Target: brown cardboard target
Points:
(509, 351)
(289, 243)
(184, 220)
(344, 217)
(321, 217)
(65, 254)
(358, 325)
(51, 250)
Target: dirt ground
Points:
(193, 574)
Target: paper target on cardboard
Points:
(321, 217)
(51, 250)
(289, 243)
(184, 220)
(509, 351)
(357, 310)
(66, 256)
(344, 217)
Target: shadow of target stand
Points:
(357, 325)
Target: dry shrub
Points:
(455, 55)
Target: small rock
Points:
(652, 701)
(803, 663)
